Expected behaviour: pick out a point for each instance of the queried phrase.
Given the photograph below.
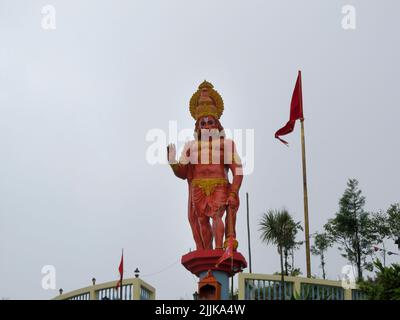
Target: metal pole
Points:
(248, 229)
(384, 255)
(122, 277)
(232, 286)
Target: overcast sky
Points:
(77, 102)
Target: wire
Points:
(160, 271)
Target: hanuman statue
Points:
(205, 163)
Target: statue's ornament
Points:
(206, 102)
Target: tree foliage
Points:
(321, 244)
(279, 228)
(379, 226)
(351, 228)
(386, 285)
(393, 219)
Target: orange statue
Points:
(205, 163)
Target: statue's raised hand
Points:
(171, 151)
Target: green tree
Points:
(351, 228)
(279, 228)
(394, 221)
(380, 230)
(321, 244)
(290, 247)
(295, 272)
(386, 285)
(386, 225)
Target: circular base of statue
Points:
(200, 261)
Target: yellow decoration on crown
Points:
(206, 102)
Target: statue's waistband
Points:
(208, 184)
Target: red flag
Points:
(296, 110)
(228, 251)
(121, 270)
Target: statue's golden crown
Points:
(206, 102)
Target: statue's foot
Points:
(232, 243)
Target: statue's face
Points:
(208, 123)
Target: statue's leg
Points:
(199, 205)
(218, 228)
(194, 224)
(219, 198)
(205, 229)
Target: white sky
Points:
(76, 104)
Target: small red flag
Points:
(296, 110)
(121, 270)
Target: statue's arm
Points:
(180, 170)
(235, 165)
(181, 167)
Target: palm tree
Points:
(321, 244)
(278, 227)
(291, 245)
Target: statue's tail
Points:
(230, 245)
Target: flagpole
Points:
(303, 156)
(306, 225)
(120, 290)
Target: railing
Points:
(268, 287)
(114, 294)
(145, 294)
(312, 291)
(132, 289)
(83, 296)
(358, 295)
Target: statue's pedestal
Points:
(199, 262)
